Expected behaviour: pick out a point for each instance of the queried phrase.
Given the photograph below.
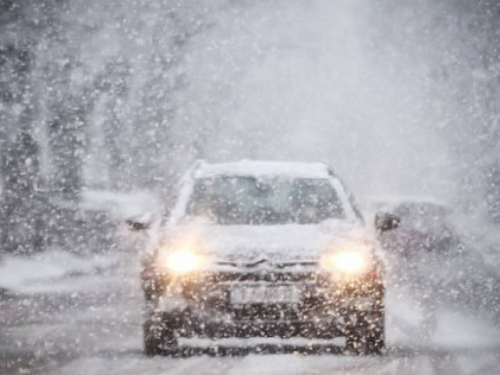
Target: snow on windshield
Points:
(265, 201)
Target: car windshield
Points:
(264, 201)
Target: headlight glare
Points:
(348, 262)
(182, 261)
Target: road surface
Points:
(90, 324)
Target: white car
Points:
(264, 249)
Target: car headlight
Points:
(182, 261)
(350, 262)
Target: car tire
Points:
(159, 338)
(367, 337)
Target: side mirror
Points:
(385, 221)
(139, 223)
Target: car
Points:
(431, 254)
(425, 243)
(264, 249)
(426, 226)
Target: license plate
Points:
(262, 294)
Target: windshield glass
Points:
(267, 201)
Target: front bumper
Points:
(200, 305)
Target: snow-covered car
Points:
(264, 249)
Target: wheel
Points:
(367, 336)
(159, 337)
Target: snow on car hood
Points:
(275, 243)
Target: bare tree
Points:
(20, 202)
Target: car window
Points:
(422, 215)
(266, 201)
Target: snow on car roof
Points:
(262, 168)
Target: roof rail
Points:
(197, 164)
(191, 171)
(329, 169)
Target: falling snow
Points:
(271, 145)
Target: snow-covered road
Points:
(92, 326)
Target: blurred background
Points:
(103, 105)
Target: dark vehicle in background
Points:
(425, 226)
(431, 256)
(264, 249)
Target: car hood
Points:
(248, 244)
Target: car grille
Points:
(266, 276)
(212, 288)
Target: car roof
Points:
(398, 200)
(254, 168)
